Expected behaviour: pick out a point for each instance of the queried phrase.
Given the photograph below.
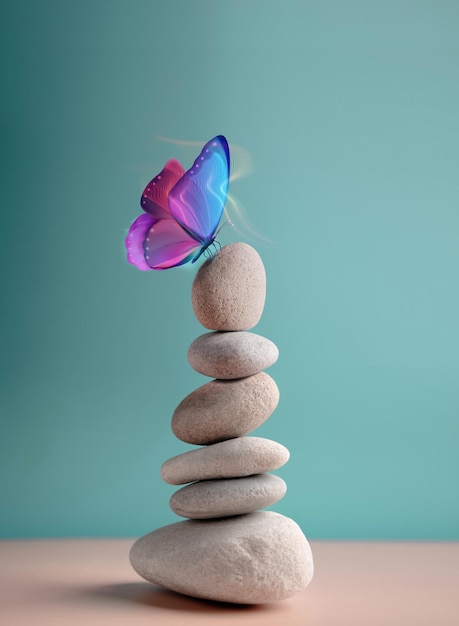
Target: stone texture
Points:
(228, 355)
(232, 496)
(242, 456)
(223, 409)
(229, 290)
(250, 559)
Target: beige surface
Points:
(88, 582)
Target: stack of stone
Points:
(228, 549)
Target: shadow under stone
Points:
(155, 596)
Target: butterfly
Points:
(182, 210)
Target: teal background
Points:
(349, 111)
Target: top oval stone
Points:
(229, 290)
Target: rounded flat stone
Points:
(242, 456)
(228, 355)
(250, 559)
(224, 409)
(229, 290)
(222, 498)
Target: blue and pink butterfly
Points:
(182, 210)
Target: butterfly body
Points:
(182, 210)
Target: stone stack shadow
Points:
(228, 549)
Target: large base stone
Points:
(249, 559)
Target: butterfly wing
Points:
(166, 245)
(135, 238)
(158, 244)
(156, 228)
(155, 195)
(197, 200)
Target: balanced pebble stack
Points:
(228, 550)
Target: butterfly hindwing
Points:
(166, 245)
(135, 238)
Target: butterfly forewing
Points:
(198, 199)
(154, 200)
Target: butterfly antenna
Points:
(227, 223)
